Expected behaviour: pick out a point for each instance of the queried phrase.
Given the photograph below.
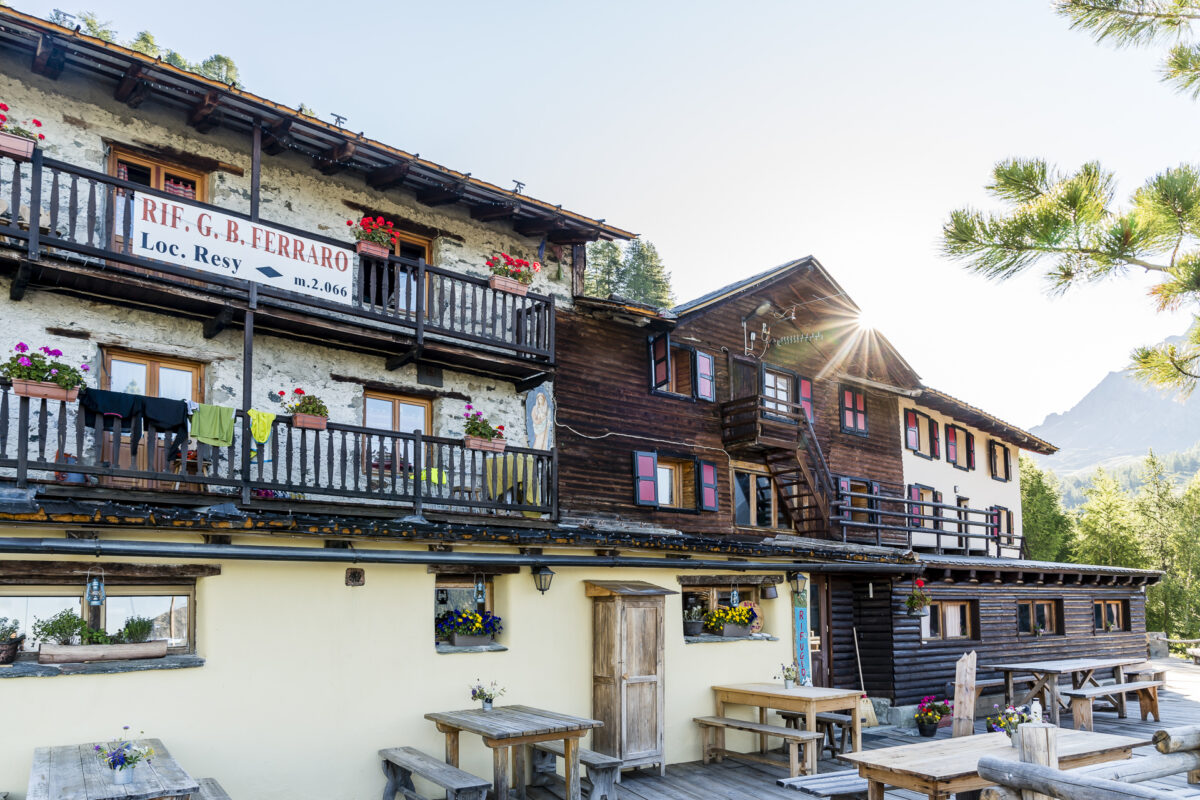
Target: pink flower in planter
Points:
(21, 347)
(24, 361)
(85, 367)
(53, 372)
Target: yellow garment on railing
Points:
(433, 475)
(260, 425)
(504, 472)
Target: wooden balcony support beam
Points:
(390, 177)
(218, 323)
(133, 89)
(206, 114)
(277, 137)
(396, 362)
(443, 194)
(541, 226)
(336, 158)
(16, 290)
(492, 212)
(572, 236)
(49, 58)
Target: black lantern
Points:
(799, 582)
(542, 577)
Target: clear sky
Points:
(737, 136)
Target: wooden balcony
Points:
(48, 445)
(77, 230)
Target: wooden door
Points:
(820, 625)
(641, 679)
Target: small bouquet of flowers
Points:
(1008, 720)
(931, 710)
(518, 269)
(123, 754)
(486, 694)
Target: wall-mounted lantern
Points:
(541, 578)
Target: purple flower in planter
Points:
(21, 347)
(53, 372)
(24, 361)
(56, 353)
(85, 367)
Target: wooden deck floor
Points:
(743, 780)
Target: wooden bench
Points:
(993, 683)
(810, 740)
(1194, 652)
(825, 723)
(211, 790)
(843, 785)
(1146, 671)
(1081, 699)
(401, 763)
(602, 770)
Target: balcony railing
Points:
(885, 517)
(59, 209)
(49, 442)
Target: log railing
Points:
(54, 207)
(49, 442)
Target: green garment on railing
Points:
(507, 471)
(213, 425)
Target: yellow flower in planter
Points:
(721, 616)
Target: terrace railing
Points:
(57, 208)
(49, 442)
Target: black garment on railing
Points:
(167, 416)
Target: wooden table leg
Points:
(452, 748)
(1055, 700)
(874, 790)
(519, 755)
(719, 733)
(762, 737)
(500, 773)
(856, 726)
(1010, 689)
(571, 759)
(1119, 677)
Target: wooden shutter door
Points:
(642, 695)
(606, 701)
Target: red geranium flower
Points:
(281, 393)
(919, 583)
(298, 391)
(37, 123)
(350, 222)
(3, 106)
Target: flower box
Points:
(8, 650)
(470, 640)
(310, 421)
(503, 283)
(693, 627)
(75, 653)
(16, 147)
(373, 250)
(496, 445)
(730, 631)
(46, 389)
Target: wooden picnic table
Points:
(942, 767)
(1046, 675)
(514, 728)
(73, 772)
(806, 700)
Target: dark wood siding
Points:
(924, 667)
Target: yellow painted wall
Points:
(306, 678)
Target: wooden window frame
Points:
(1122, 607)
(697, 357)
(674, 351)
(468, 582)
(861, 426)
(1003, 517)
(675, 468)
(938, 608)
(416, 241)
(1055, 616)
(158, 168)
(928, 442)
(152, 362)
(792, 379)
(964, 447)
(395, 398)
(753, 499)
(995, 448)
(712, 593)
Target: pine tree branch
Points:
(1081, 251)
(1102, 9)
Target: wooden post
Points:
(255, 169)
(1038, 743)
(964, 696)
(247, 388)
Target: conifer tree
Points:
(1044, 522)
(603, 275)
(1105, 533)
(1157, 511)
(633, 273)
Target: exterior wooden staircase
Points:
(782, 436)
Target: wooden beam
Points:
(49, 58)
(539, 226)
(467, 569)
(336, 158)
(218, 323)
(217, 538)
(532, 382)
(206, 114)
(16, 291)
(491, 212)
(572, 236)
(443, 194)
(396, 362)
(277, 137)
(133, 88)
(389, 177)
(112, 570)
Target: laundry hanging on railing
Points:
(128, 413)
(213, 425)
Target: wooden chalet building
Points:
(187, 242)
(764, 413)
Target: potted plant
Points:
(729, 622)
(10, 639)
(486, 694)
(17, 141)
(468, 628)
(918, 600)
(790, 674)
(510, 274)
(40, 374)
(375, 236)
(123, 756)
(1008, 720)
(307, 410)
(930, 713)
(58, 636)
(693, 620)
(479, 433)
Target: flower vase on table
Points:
(486, 694)
(121, 757)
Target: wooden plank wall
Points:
(854, 609)
(924, 667)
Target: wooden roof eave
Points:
(241, 110)
(978, 418)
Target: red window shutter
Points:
(806, 398)
(914, 493)
(912, 434)
(660, 361)
(705, 385)
(847, 409)
(708, 486)
(645, 477)
(861, 406)
(951, 444)
(844, 491)
(935, 446)
(937, 511)
(994, 519)
(970, 451)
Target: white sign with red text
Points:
(207, 240)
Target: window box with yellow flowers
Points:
(729, 622)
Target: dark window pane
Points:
(1043, 617)
(1098, 615)
(935, 621)
(741, 498)
(1023, 624)
(762, 498)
